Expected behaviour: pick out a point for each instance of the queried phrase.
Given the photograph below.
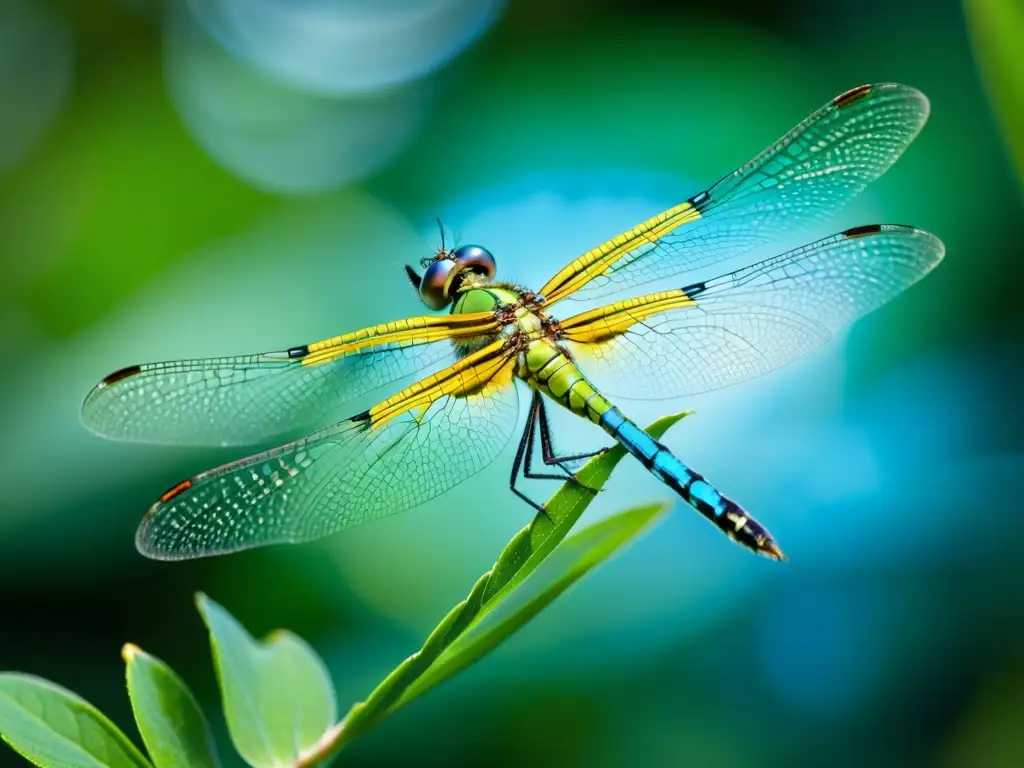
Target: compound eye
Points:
(436, 280)
(476, 259)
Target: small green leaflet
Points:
(52, 727)
(278, 698)
(172, 725)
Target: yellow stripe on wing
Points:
(477, 374)
(414, 330)
(606, 322)
(602, 259)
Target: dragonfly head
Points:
(447, 270)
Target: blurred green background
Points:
(188, 179)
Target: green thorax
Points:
(542, 363)
(484, 298)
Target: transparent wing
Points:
(800, 180)
(404, 451)
(243, 400)
(751, 321)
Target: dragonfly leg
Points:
(537, 416)
(524, 455)
(523, 451)
(547, 447)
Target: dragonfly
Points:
(463, 410)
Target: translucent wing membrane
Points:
(246, 399)
(404, 451)
(800, 180)
(750, 321)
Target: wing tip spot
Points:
(121, 373)
(175, 490)
(862, 231)
(850, 96)
(298, 352)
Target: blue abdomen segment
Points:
(664, 465)
(726, 514)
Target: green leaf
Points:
(571, 561)
(169, 719)
(51, 726)
(518, 560)
(997, 27)
(278, 698)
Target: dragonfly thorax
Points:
(484, 298)
(522, 316)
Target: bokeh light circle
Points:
(36, 63)
(275, 137)
(347, 47)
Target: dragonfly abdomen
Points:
(726, 514)
(547, 368)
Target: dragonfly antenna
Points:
(440, 226)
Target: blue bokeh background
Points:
(196, 178)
